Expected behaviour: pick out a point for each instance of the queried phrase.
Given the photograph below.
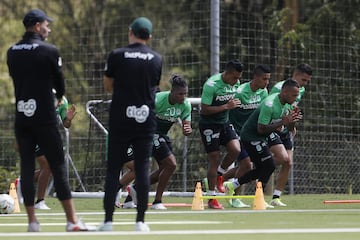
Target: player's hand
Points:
(187, 129)
(292, 117)
(71, 112)
(233, 103)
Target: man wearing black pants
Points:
(35, 67)
(132, 74)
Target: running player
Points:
(250, 94)
(218, 97)
(283, 147)
(274, 112)
(171, 106)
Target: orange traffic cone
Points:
(197, 203)
(259, 201)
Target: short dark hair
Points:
(177, 81)
(290, 83)
(304, 68)
(261, 69)
(234, 65)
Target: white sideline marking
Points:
(270, 211)
(123, 223)
(189, 232)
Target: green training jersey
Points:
(167, 113)
(250, 100)
(216, 93)
(270, 111)
(62, 108)
(277, 88)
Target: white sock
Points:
(221, 170)
(277, 192)
(236, 183)
(211, 193)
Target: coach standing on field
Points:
(35, 67)
(132, 75)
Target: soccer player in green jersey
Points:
(250, 94)
(218, 97)
(282, 143)
(274, 112)
(170, 107)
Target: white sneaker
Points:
(268, 205)
(79, 226)
(41, 205)
(237, 203)
(158, 206)
(131, 190)
(276, 202)
(141, 227)
(105, 227)
(34, 227)
(18, 191)
(129, 205)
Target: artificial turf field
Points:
(305, 217)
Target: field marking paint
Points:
(189, 232)
(133, 212)
(124, 223)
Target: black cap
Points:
(34, 16)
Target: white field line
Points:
(123, 223)
(151, 212)
(188, 232)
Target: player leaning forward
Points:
(216, 100)
(274, 113)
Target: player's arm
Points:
(70, 114)
(108, 83)
(287, 120)
(210, 110)
(186, 118)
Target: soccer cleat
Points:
(118, 204)
(79, 226)
(268, 205)
(132, 192)
(141, 227)
(205, 185)
(41, 205)
(229, 191)
(220, 184)
(129, 205)
(214, 204)
(276, 202)
(158, 206)
(237, 203)
(33, 227)
(105, 227)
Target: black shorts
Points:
(38, 151)
(161, 147)
(214, 135)
(243, 153)
(276, 138)
(258, 151)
